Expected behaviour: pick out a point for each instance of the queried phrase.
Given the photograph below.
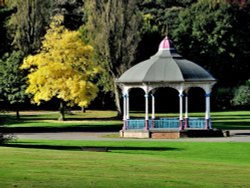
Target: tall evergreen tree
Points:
(72, 12)
(12, 80)
(5, 12)
(113, 29)
(28, 24)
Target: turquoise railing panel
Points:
(165, 123)
(136, 124)
(196, 123)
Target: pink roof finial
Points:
(165, 44)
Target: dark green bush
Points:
(5, 138)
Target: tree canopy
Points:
(5, 12)
(63, 68)
(212, 33)
(242, 95)
(12, 80)
(208, 32)
(71, 10)
(113, 28)
(28, 23)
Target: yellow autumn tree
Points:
(63, 68)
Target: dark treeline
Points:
(212, 33)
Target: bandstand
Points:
(165, 69)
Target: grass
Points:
(62, 163)
(45, 120)
(231, 120)
(105, 120)
(127, 164)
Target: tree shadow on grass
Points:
(35, 124)
(242, 134)
(10, 119)
(90, 148)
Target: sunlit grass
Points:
(127, 164)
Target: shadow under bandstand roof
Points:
(166, 69)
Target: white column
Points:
(186, 105)
(124, 107)
(146, 111)
(127, 106)
(153, 106)
(146, 106)
(124, 111)
(181, 108)
(186, 111)
(207, 116)
(207, 113)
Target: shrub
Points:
(242, 96)
(4, 139)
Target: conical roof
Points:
(165, 66)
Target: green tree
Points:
(160, 15)
(159, 19)
(206, 25)
(242, 95)
(113, 29)
(12, 80)
(5, 12)
(241, 12)
(62, 69)
(71, 10)
(28, 24)
(213, 33)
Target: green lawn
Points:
(127, 164)
(34, 163)
(231, 120)
(92, 120)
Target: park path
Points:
(235, 136)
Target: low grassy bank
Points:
(47, 121)
(106, 120)
(127, 164)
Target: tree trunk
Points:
(83, 109)
(117, 101)
(17, 114)
(62, 112)
(16, 107)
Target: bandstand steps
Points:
(171, 133)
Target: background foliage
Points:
(212, 33)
